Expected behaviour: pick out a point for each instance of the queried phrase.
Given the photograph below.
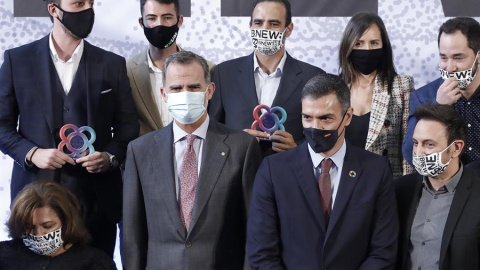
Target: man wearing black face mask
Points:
(161, 22)
(62, 79)
(325, 204)
(458, 85)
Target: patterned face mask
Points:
(45, 244)
(430, 164)
(464, 78)
(267, 42)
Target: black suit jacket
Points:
(236, 96)
(27, 81)
(460, 248)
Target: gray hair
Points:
(186, 58)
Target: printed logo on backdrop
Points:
(38, 8)
(345, 8)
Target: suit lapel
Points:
(462, 193)
(306, 180)
(246, 81)
(380, 102)
(161, 156)
(346, 185)
(214, 156)
(288, 83)
(44, 74)
(94, 76)
(141, 79)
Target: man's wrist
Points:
(112, 160)
(28, 157)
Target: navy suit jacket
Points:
(286, 227)
(27, 81)
(460, 248)
(236, 96)
(425, 95)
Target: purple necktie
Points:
(188, 181)
(325, 186)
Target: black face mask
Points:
(366, 61)
(79, 23)
(322, 140)
(161, 36)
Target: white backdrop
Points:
(412, 26)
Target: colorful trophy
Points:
(268, 121)
(77, 142)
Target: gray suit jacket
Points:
(154, 236)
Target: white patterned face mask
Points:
(43, 245)
(430, 164)
(464, 78)
(267, 42)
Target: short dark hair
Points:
(355, 28)
(174, 2)
(285, 3)
(469, 27)
(48, 2)
(446, 115)
(326, 84)
(48, 194)
(186, 58)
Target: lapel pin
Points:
(223, 153)
(352, 174)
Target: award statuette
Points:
(76, 141)
(269, 121)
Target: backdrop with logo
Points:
(219, 31)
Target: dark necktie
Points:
(325, 186)
(188, 181)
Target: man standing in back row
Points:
(62, 79)
(161, 22)
(268, 76)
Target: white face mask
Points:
(267, 42)
(464, 78)
(430, 164)
(186, 107)
(45, 244)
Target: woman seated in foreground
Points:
(47, 232)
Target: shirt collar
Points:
(451, 185)
(278, 73)
(151, 66)
(77, 54)
(201, 131)
(337, 157)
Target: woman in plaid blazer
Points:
(379, 96)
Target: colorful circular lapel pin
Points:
(269, 121)
(76, 141)
(352, 174)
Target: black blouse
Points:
(356, 132)
(14, 255)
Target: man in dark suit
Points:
(62, 79)
(438, 205)
(268, 76)
(188, 186)
(347, 218)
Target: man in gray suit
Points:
(187, 186)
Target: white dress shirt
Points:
(267, 84)
(66, 70)
(180, 144)
(156, 82)
(336, 170)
